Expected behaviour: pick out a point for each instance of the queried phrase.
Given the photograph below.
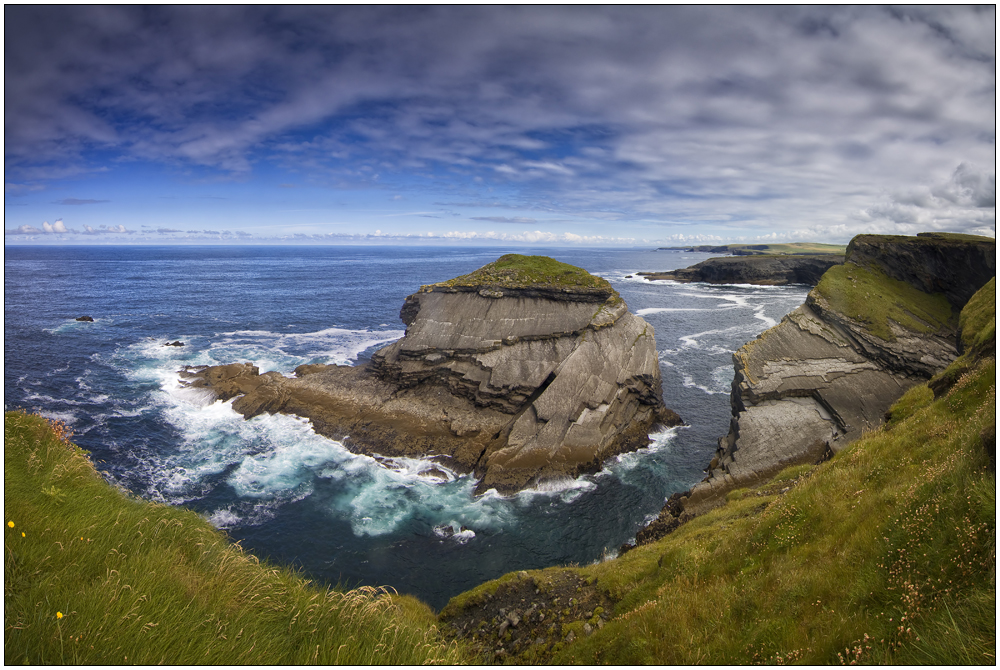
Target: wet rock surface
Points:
(759, 270)
(517, 383)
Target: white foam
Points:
(66, 417)
(567, 489)
(224, 518)
(658, 310)
(768, 321)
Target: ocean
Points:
(293, 497)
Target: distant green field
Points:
(790, 249)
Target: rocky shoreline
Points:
(777, 270)
(524, 371)
(873, 327)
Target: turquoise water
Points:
(294, 497)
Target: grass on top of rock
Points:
(868, 295)
(95, 577)
(793, 249)
(884, 554)
(519, 271)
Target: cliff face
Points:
(760, 270)
(872, 328)
(518, 376)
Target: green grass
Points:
(798, 248)
(978, 320)
(519, 271)
(868, 295)
(884, 554)
(93, 576)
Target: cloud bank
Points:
(658, 119)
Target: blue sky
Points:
(646, 125)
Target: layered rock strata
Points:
(829, 371)
(515, 377)
(759, 270)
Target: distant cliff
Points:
(525, 370)
(761, 270)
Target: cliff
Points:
(789, 248)
(877, 325)
(884, 553)
(525, 370)
(761, 270)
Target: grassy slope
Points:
(884, 554)
(866, 294)
(137, 582)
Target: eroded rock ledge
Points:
(525, 370)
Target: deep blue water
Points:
(295, 497)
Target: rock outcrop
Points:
(759, 270)
(872, 328)
(523, 371)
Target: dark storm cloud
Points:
(759, 115)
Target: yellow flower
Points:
(22, 534)
(59, 615)
(10, 523)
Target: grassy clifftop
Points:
(92, 576)
(519, 271)
(884, 554)
(868, 295)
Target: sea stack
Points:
(523, 371)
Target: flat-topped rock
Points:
(523, 371)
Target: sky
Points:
(640, 125)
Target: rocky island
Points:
(523, 371)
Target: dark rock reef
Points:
(760, 270)
(523, 371)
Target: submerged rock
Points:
(832, 368)
(89, 319)
(525, 370)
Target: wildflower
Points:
(22, 534)
(10, 523)
(59, 615)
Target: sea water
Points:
(297, 498)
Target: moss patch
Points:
(868, 295)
